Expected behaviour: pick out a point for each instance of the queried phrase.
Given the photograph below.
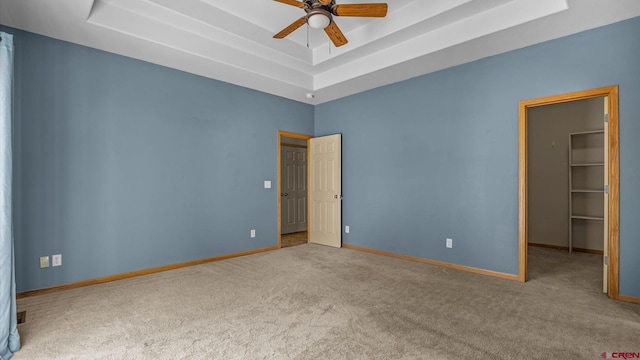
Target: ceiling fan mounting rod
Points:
(319, 4)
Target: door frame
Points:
(613, 181)
(282, 133)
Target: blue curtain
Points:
(9, 338)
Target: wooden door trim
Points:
(614, 177)
(279, 174)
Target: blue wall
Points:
(437, 156)
(124, 165)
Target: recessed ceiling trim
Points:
(236, 27)
(473, 27)
(201, 20)
(111, 16)
(439, 15)
(397, 20)
(231, 41)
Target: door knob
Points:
(284, 194)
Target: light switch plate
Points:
(267, 184)
(44, 261)
(56, 260)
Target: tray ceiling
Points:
(231, 40)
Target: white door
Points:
(293, 191)
(325, 197)
(605, 263)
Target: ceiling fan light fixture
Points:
(318, 19)
(320, 13)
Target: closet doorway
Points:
(568, 178)
(292, 187)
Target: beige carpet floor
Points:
(315, 302)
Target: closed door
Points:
(293, 191)
(325, 161)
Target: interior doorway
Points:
(293, 218)
(591, 178)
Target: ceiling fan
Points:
(320, 15)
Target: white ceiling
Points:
(231, 40)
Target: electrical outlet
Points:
(44, 262)
(56, 260)
(449, 243)
(21, 317)
(346, 229)
(253, 233)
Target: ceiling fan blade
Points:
(295, 3)
(335, 34)
(363, 10)
(291, 28)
